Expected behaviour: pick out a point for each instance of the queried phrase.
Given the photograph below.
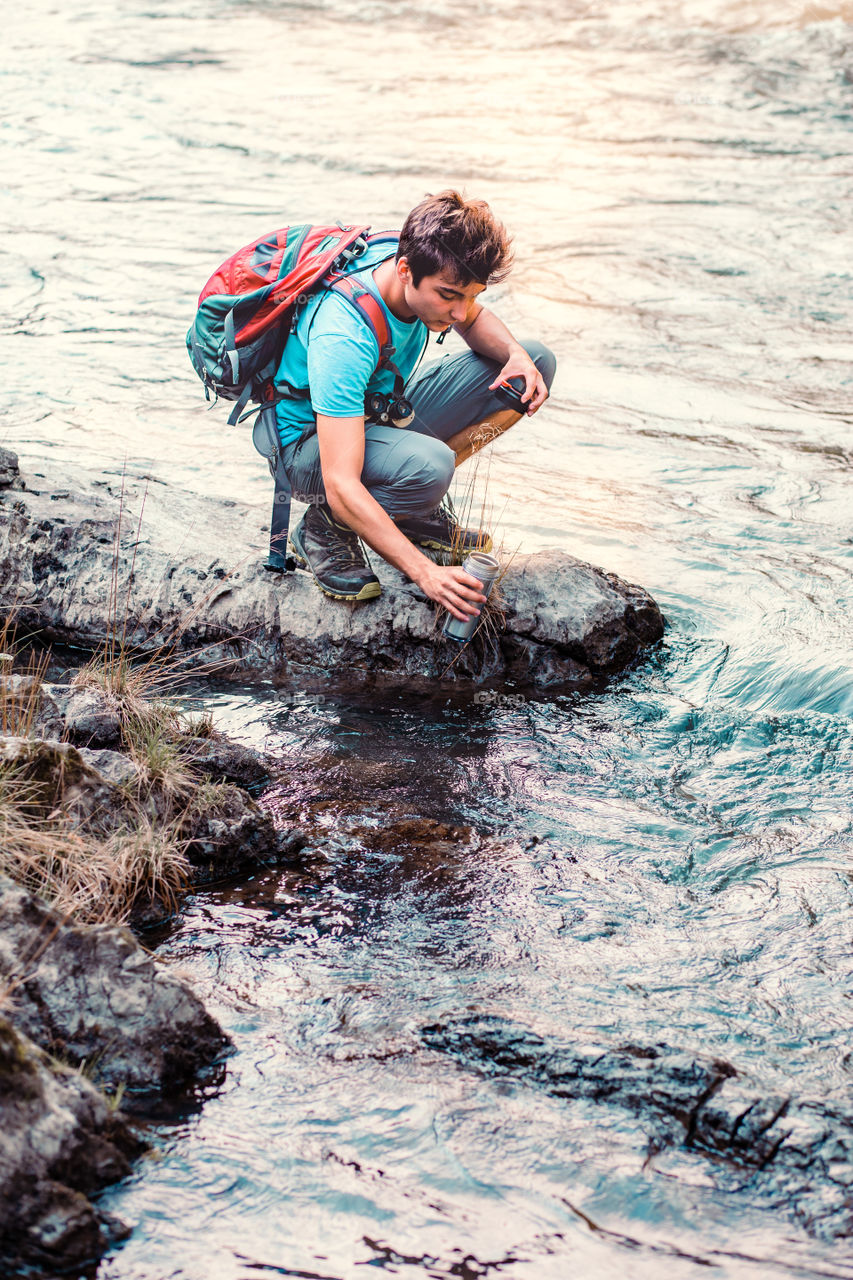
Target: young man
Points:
(383, 483)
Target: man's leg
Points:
(452, 400)
(407, 473)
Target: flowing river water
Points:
(665, 861)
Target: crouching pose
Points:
(369, 479)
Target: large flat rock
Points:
(85, 555)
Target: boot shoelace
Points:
(351, 554)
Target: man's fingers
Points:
(541, 395)
(462, 595)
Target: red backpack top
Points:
(247, 308)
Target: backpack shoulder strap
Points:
(371, 311)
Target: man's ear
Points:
(404, 271)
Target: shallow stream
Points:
(665, 861)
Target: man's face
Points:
(439, 300)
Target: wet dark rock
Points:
(223, 761)
(91, 994)
(801, 1151)
(230, 835)
(565, 621)
(59, 1143)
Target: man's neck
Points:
(391, 289)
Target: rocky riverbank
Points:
(191, 567)
(108, 824)
(89, 1020)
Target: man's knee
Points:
(544, 359)
(420, 479)
(428, 484)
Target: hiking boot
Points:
(441, 531)
(334, 554)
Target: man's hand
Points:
(450, 586)
(519, 365)
(489, 336)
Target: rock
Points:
(9, 472)
(113, 766)
(224, 761)
(801, 1152)
(86, 716)
(64, 777)
(221, 830)
(229, 834)
(572, 608)
(565, 621)
(26, 708)
(92, 994)
(90, 717)
(59, 1143)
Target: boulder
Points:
(61, 775)
(87, 716)
(221, 760)
(78, 556)
(60, 1141)
(91, 994)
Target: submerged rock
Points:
(799, 1151)
(91, 994)
(566, 621)
(60, 1142)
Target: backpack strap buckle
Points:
(348, 255)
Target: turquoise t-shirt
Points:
(333, 352)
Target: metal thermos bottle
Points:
(486, 568)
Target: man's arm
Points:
(341, 442)
(489, 336)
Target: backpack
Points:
(245, 314)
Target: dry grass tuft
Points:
(93, 879)
(97, 869)
(472, 511)
(20, 691)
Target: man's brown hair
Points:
(447, 234)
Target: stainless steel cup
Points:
(485, 568)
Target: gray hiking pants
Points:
(408, 471)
